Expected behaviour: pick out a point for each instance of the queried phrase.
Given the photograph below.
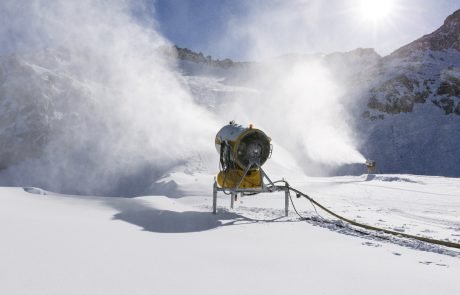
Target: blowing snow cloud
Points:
(113, 114)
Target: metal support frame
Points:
(286, 202)
(237, 190)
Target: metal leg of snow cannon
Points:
(286, 202)
(264, 188)
(214, 198)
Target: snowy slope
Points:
(63, 244)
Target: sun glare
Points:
(376, 10)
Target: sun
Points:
(376, 11)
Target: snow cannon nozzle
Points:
(371, 165)
(242, 147)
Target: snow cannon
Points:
(242, 150)
(371, 166)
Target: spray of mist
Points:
(299, 101)
(117, 115)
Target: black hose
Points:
(368, 227)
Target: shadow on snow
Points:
(165, 221)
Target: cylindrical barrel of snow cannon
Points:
(246, 145)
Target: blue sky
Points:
(257, 29)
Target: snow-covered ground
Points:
(63, 244)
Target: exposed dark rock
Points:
(449, 88)
(397, 95)
(198, 57)
(449, 105)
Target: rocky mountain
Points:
(412, 105)
(427, 69)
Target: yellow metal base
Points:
(232, 178)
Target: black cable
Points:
(378, 229)
(287, 187)
(314, 207)
(355, 223)
(224, 164)
(295, 209)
